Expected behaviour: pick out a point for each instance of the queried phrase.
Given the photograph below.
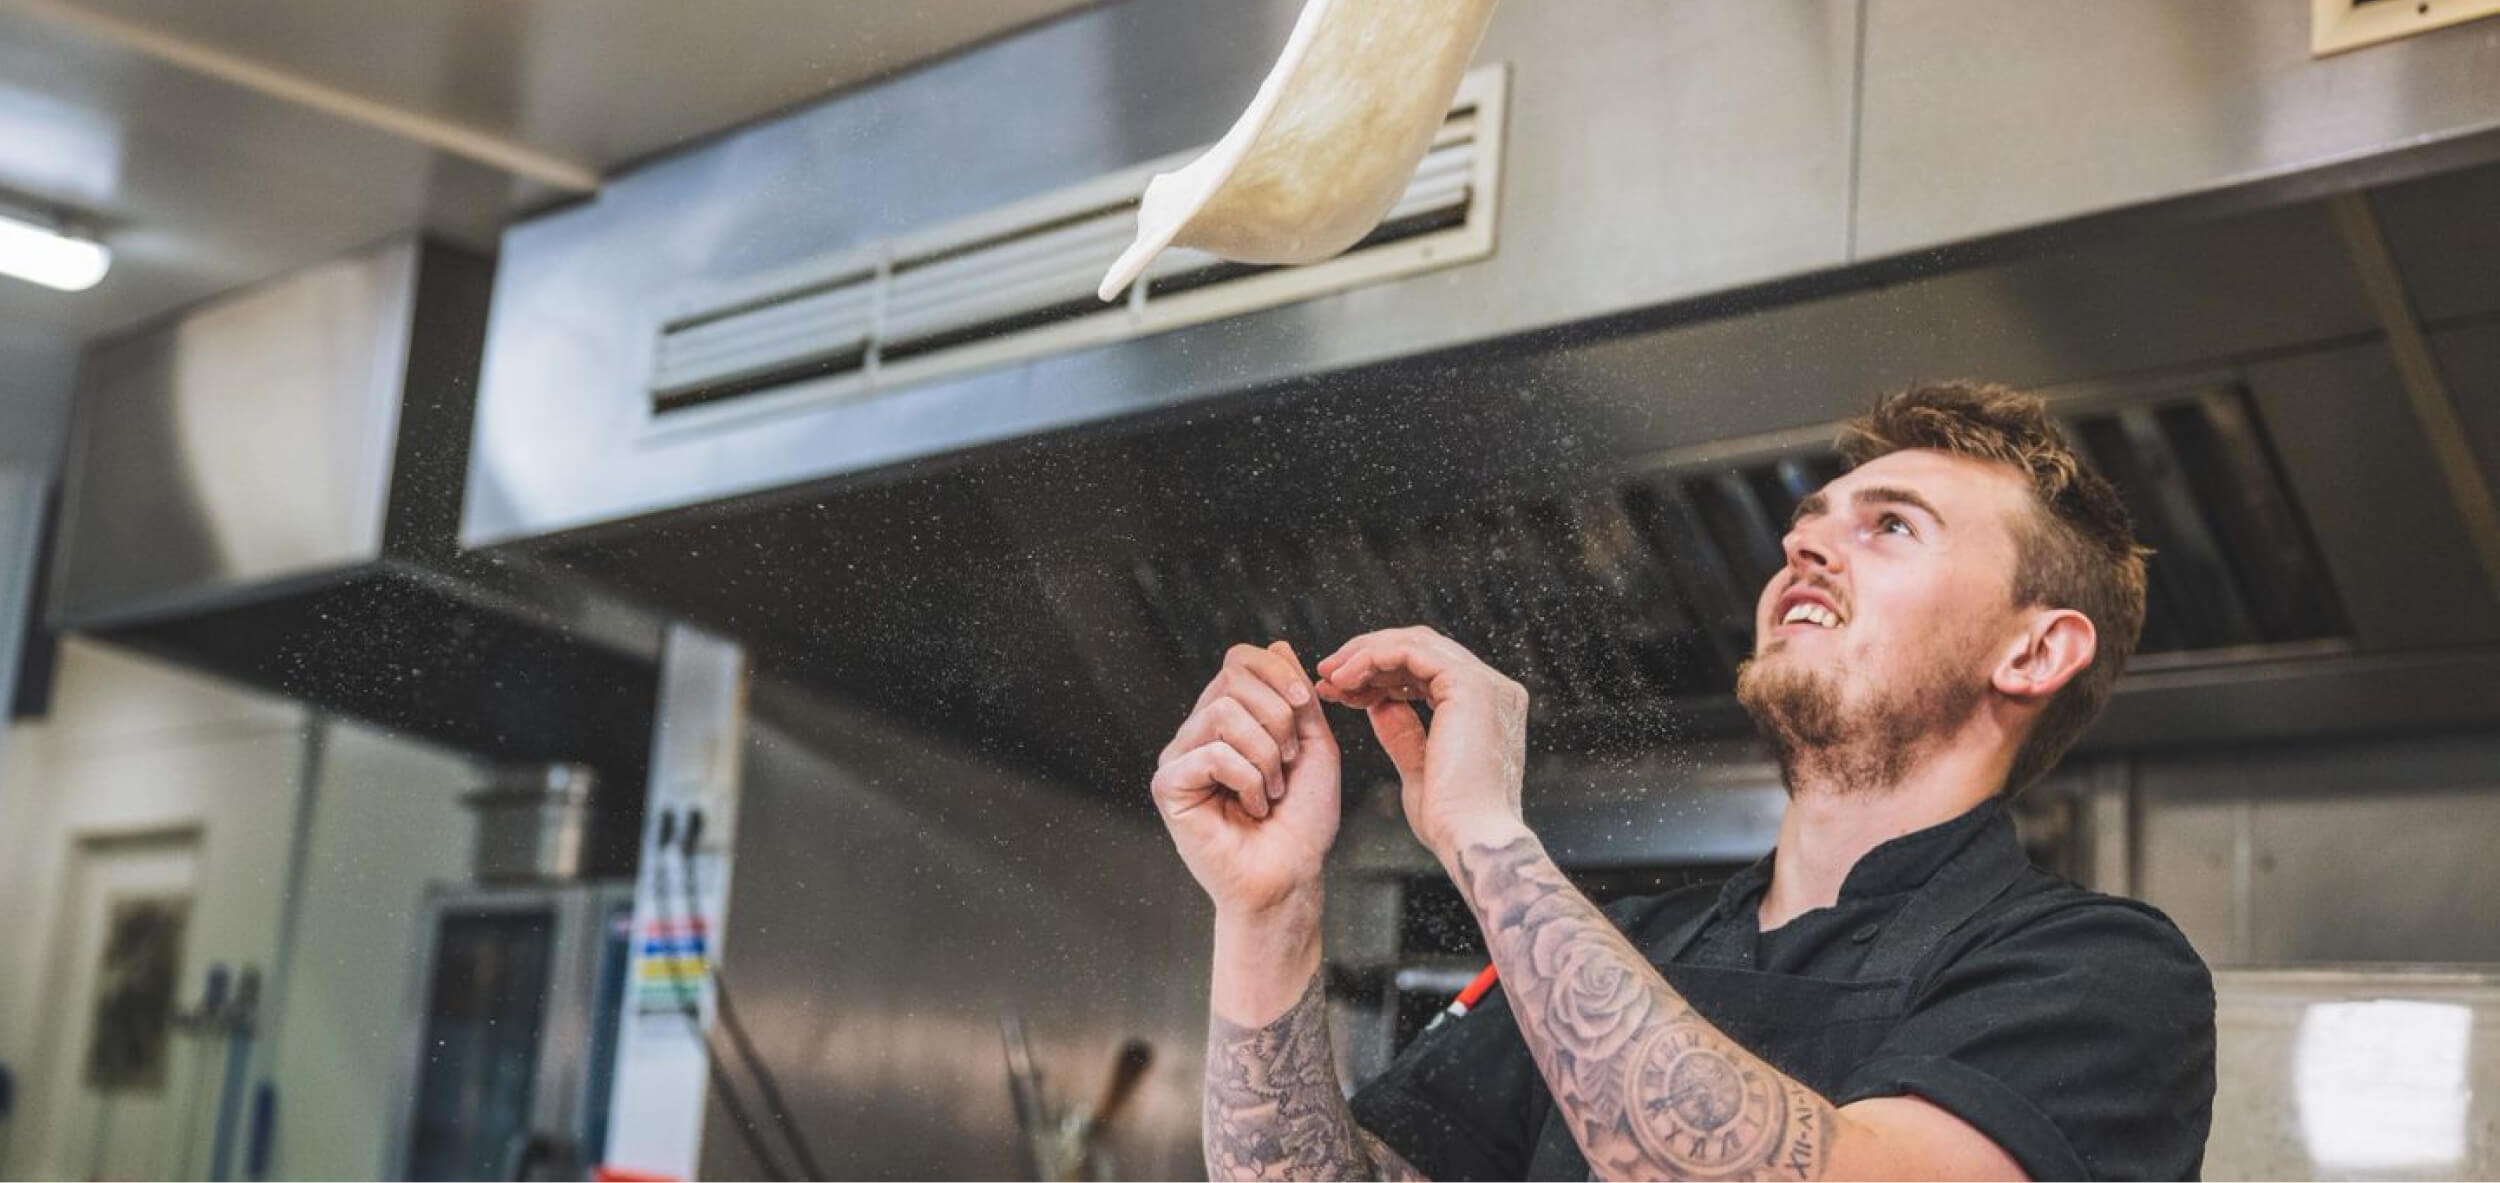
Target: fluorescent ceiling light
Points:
(40, 254)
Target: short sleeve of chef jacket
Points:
(2074, 1030)
(2077, 1033)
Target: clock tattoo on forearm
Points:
(1648, 1087)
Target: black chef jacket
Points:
(2074, 1029)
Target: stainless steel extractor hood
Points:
(267, 487)
(1646, 155)
(1719, 229)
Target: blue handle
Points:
(229, 1101)
(264, 1122)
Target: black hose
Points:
(747, 1132)
(692, 1007)
(774, 1104)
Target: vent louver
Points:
(815, 329)
(1018, 283)
(2234, 564)
(1628, 597)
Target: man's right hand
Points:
(1249, 787)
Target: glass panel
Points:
(484, 1012)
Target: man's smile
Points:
(1804, 609)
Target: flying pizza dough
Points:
(1327, 146)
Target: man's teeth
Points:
(1812, 613)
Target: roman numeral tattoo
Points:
(1650, 1089)
(1274, 1109)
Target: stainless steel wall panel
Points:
(2316, 898)
(2309, 854)
(1655, 151)
(895, 899)
(1982, 117)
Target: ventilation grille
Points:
(1018, 284)
(2234, 562)
(1646, 592)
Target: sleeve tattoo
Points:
(1274, 1109)
(1649, 1087)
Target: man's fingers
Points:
(1401, 734)
(1414, 636)
(1388, 658)
(1227, 721)
(1297, 689)
(1254, 738)
(1199, 775)
(1379, 691)
(1292, 682)
(1354, 669)
(1412, 663)
(1371, 674)
(1310, 724)
(1277, 670)
(1252, 693)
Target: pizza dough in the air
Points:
(1328, 145)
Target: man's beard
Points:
(1855, 748)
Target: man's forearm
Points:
(1274, 1106)
(1648, 1087)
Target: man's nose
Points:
(1808, 549)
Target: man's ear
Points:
(2055, 646)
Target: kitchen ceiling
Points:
(203, 185)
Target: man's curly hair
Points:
(2078, 552)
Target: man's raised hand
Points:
(1248, 786)
(1461, 776)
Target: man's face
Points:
(1882, 631)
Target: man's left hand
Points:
(1461, 776)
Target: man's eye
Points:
(1893, 523)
